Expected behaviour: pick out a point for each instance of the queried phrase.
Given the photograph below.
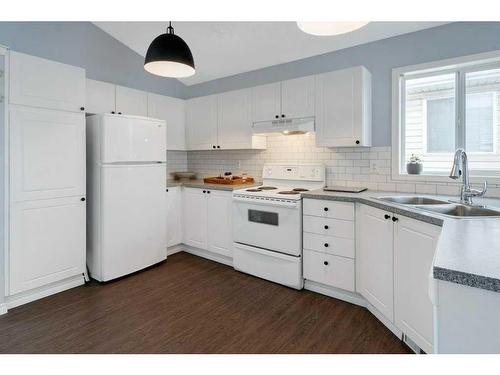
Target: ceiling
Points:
(222, 49)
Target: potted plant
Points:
(414, 166)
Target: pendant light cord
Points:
(170, 29)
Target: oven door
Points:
(275, 226)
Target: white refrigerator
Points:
(126, 183)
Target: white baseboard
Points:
(329, 291)
(384, 320)
(174, 249)
(3, 308)
(44, 291)
(208, 255)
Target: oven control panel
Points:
(294, 172)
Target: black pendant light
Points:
(169, 56)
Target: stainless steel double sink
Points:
(442, 207)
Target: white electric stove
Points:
(268, 223)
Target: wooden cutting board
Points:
(227, 181)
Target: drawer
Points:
(332, 209)
(328, 227)
(328, 244)
(329, 269)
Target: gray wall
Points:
(2, 191)
(452, 40)
(85, 45)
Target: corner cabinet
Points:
(101, 97)
(207, 220)
(131, 102)
(172, 110)
(343, 108)
(221, 121)
(394, 258)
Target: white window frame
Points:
(462, 65)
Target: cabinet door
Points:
(174, 217)
(173, 112)
(47, 153)
(100, 97)
(195, 218)
(220, 222)
(47, 242)
(343, 108)
(43, 83)
(201, 123)
(266, 102)
(235, 121)
(297, 97)
(374, 258)
(131, 102)
(414, 246)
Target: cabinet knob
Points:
(208, 191)
(357, 142)
(213, 146)
(325, 263)
(82, 199)
(326, 245)
(82, 108)
(204, 191)
(282, 115)
(119, 113)
(394, 219)
(387, 216)
(325, 209)
(276, 116)
(326, 226)
(167, 190)
(218, 146)
(113, 112)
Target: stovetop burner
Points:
(300, 189)
(253, 190)
(267, 188)
(288, 192)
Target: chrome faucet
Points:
(461, 168)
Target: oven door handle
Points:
(266, 202)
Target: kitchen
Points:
(340, 198)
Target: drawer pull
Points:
(326, 245)
(325, 263)
(326, 226)
(387, 216)
(325, 209)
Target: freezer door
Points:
(133, 218)
(132, 139)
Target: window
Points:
(446, 107)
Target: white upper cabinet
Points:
(100, 97)
(201, 123)
(297, 97)
(235, 122)
(266, 102)
(343, 108)
(131, 102)
(415, 243)
(47, 151)
(172, 110)
(374, 258)
(43, 83)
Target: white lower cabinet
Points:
(47, 242)
(415, 243)
(174, 216)
(374, 258)
(220, 222)
(328, 241)
(207, 220)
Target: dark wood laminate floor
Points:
(191, 305)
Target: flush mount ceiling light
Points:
(169, 56)
(329, 28)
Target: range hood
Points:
(284, 126)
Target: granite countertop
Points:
(202, 185)
(468, 250)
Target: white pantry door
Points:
(47, 242)
(47, 153)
